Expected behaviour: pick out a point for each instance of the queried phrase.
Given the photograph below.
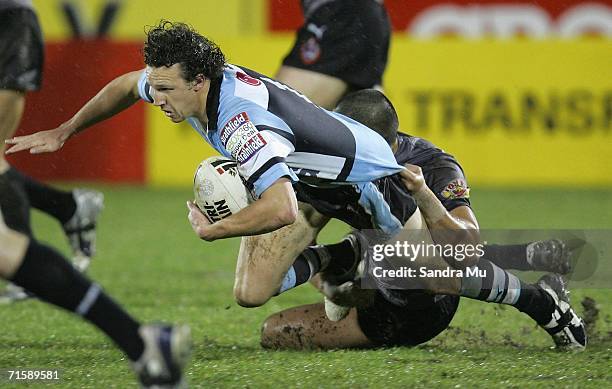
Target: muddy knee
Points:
(269, 332)
(277, 332)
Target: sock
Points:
(14, 205)
(57, 203)
(46, 274)
(512, 256)
(500, 286)
(307, 264)
(341, 256)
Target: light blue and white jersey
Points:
(272, 131)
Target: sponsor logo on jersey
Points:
(247, 79)
(310, 51)
(457, 189)
(250, 148)
(316, 30)
(232, 125)
(241, 138)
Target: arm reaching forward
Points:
(116, 96)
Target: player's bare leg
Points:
(321, 89)
(11, 108)
(307, 327)
(263, 260)
(12, 104)
(77, 210)
(13, 246)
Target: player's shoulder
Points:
(420, 151)
(240, 89)
(243, 96)
(241, 78)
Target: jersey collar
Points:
(212, 103)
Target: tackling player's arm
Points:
(116, 96)
(276, 208)
(459, 226)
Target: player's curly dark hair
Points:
(169, 43)
(372, 108)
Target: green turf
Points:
(150, 260)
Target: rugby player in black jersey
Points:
(434, 182)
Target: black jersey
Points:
(442, 173)
(21, 47)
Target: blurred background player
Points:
(21, 66)
(157, 352)
(342, 46)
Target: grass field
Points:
(150, 260)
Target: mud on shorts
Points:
(422, 318)
(22, 50)
(346, 39)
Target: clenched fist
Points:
(412, 177)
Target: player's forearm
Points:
(442, 224)
(113, 98)
(258, 218)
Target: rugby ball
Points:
(218, 189)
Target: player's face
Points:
(177, 98)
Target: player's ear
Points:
(199, 82)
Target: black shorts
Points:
(343, 202)
(14, 204)
(22, 50)
(346, 39)
(386, 324)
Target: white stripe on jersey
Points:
(325, 166)
(257, 94)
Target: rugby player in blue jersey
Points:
(277, 136)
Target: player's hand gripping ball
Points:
(218, 189)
